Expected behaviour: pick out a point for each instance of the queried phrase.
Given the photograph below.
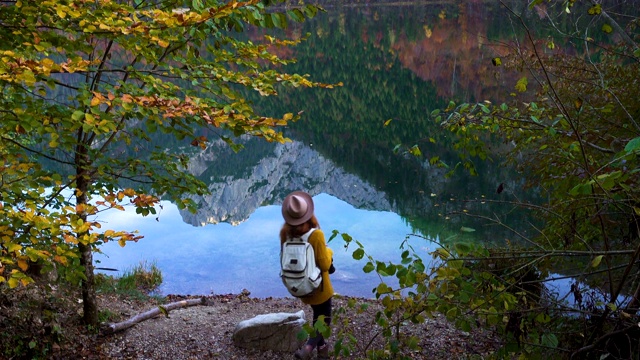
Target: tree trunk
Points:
(89, 301)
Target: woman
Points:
(297, 211)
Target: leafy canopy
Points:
(86, 86)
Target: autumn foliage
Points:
(85, 87)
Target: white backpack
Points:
(299, 272)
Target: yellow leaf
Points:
(521, 85)
(551, 45)
(12, 247)
(95, 101)
(596, 261)
(70, 239)
(61, 13)
(90, 118)
(23, 265)
(60, 259)
(13, 282)
(577, 103)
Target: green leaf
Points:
(550, 340)
(452, 313)
(77, 115)
(418, 266)
(383, 288)
(543, 318)
(632, 145)
(302, 335)
(310, 10)
(606, 28)
(198, 5)
(441, 253)
(358, 254)
(534, 3)
(462, 248)
(369, 267)
(464, 325)
(296, 15)
(581, 189)
(279, 20)
(467, 229)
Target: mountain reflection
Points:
(238, 187)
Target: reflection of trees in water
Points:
(369, 51)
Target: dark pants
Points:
(321, 309)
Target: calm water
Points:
(223, 258)
(397, 63)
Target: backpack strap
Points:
(304, 237)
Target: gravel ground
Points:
(204, 332)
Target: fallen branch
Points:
(161, 309)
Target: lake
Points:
(223, 258)
(397, 63)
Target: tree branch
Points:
(160, 309)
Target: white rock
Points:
(274, 331)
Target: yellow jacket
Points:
(323, 255)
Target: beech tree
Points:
(85, 84)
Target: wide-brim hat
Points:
(297, 208)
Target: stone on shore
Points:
(275, 331)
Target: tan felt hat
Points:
(297, 208)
